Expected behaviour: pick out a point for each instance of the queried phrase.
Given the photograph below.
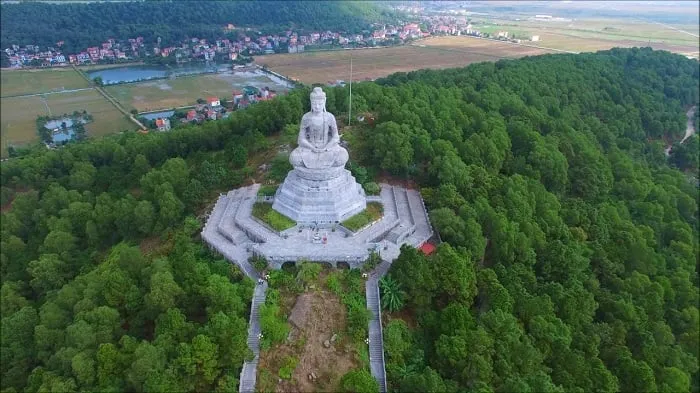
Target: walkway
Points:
(249, 371)
(376, 340)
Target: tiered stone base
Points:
(318, 197)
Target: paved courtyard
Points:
(235, 233)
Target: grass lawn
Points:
(17, 82)
(372, 213)
(265, 213)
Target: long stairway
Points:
(248, 373)
(376, 341)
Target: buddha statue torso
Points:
(318, 138)
(317, 129)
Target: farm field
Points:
(18, 115)
(598, 34)
(182, 91)
(107, 119)
(369, 64)
(19, 82)
(18, 120)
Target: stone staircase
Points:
(423, 230)
(258, 232)
(376, 341)
(378, 231)
(249, 371)
(406, 225)
(227, 226)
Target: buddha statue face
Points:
(318, 100)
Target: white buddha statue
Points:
(318, 138)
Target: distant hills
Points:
(84, 24)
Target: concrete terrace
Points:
(234, 233)
(237, 235)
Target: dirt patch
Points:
(405, 315)
(325, 316)
(150, 244)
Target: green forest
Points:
(81, 25)
(570, 241)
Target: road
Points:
(46, 93)
(689, 129)
(418, 43)
(690, 125)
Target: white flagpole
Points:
(350, 100)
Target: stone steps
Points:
(376, 342)
(227, 226)
(249, 372)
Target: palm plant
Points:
(392, 294)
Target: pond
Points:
(59, 134)
(156, 115)
(111, 76)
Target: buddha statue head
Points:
(318, 100)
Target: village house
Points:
(163, 124)
(237, 96)
(213, 102)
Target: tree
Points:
(392, 147)
(392, 294)
(359, 381)
(239, 156)
(48, 273)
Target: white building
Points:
(535, 38)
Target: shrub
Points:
(288, 366)
(371, 188)
(267, 190)
(333, 284)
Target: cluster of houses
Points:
(215, 109)
(114, 50)
(109, 50)
(460, 25)
(247, 43)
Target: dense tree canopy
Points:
(572, 256)
(81, 25)
(569, 263)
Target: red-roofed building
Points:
(427, 248)
(163, 124)
(213, 101)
